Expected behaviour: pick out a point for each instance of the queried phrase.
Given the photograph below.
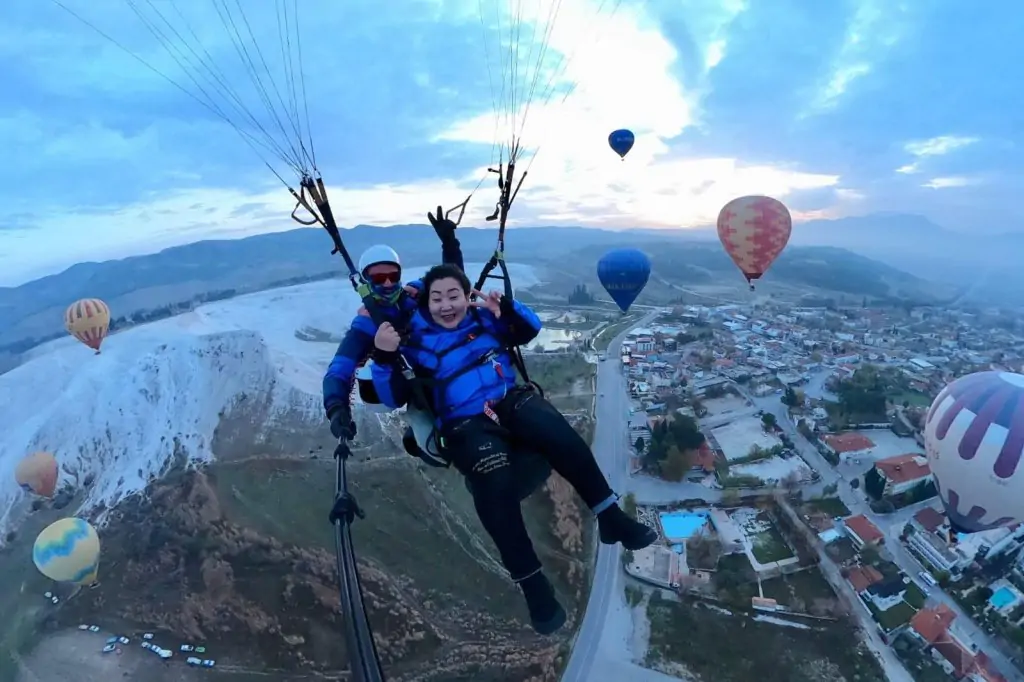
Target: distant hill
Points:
(694, 262)
(33, 311)
(984, 268)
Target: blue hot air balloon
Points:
(621, 141)
(623, 274)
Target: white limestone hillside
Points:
(230, 376)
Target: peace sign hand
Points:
(491, 301)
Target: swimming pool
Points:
(1002, 598)
(682, 525)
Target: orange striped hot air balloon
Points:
(88, 321)
(754, 231)
(37, 474)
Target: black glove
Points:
(342, 426)
(508, 310)
(444, 228)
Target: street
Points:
(601, 650)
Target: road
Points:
(600, 652)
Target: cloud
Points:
(937, 146)
(955, 181)
(815, 103)
(874, 29)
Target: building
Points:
(645, 344)
(932, 629)
(931, 520)
(639, 428)
(990, 544)
(847, 445)
(903, 472)
(862, 531)
(935, 549)
(886, 593)
(863, 577)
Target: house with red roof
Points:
(846, 446)
(932, 629)
(903, 472)
(862, 531)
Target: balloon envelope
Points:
(37, 473)
(623, 274)
(754, 231)
(88, 321)
(974, 436)
(621, 141)
(68, 551)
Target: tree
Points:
(789, 398)
(874, 484)
(676, 465)
(639, 445)
(769, 421)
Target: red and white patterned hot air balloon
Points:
(754, 230)
(974, 437)
(88, 321)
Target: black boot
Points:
(615, 526)
(546, 614)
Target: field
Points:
(611, 331)
(714, 646)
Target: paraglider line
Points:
(359, 642)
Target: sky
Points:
(133, 125)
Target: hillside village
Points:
(782, 441)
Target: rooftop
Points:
(930, 519)
(904, 468)
(848, 442)
(863, 577)
(865, 530)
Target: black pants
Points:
(481, 448)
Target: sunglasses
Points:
(382, 278)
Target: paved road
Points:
(594, 658)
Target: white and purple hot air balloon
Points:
(974, 436)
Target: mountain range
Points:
(980, 270)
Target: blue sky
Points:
(838, 108)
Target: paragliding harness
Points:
(532, 469)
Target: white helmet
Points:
(378, 253)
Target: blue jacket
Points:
(357, 344)
(468, 367)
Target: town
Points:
(787, 441)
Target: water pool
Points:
(1002, 598)
(682, 525)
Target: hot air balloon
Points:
(37, 473)
(88, 321)
(754, 231)
(974, 436)
(621, 141)
(68, 551)
(623, 274)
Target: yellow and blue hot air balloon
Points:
(68, 551)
